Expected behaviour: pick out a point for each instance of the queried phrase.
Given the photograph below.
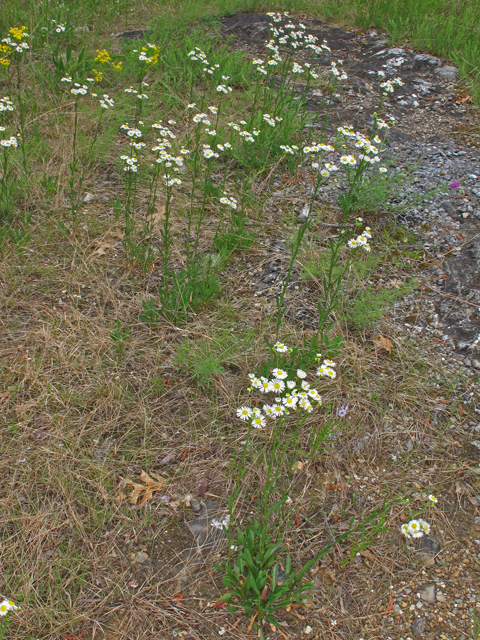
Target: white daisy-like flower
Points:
(383, 170)
(306, 405)
(256, 383)
(258, 422)
(268, 410)
(244, 413)
(405, 530)
(301, 374)
(291, 384)
(322, 370)
(425, 527)
(278, 410)
(313, 393)
(432, 499)
(280, 347)
(278, 386)
(415, 529)
(290, 401)
(353, 243)
(305, 385)
(279, 373)
(330, 373)
(256, 412)
(329, 363)
(264, 386)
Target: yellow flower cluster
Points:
(98, 75)
(9, 46)
(6, 50)
(105, 58)
(17, 32)
(153, 52)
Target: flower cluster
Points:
(131, 163)
(230, 202)
(290, 387)
(14, 43)
(246, 135)
(416, 528)
(289, 395)
(6, 606)
(222, 88)
(201, 118)
(200, 56)
(289, 149)
(79, 89)
(388, 85)
(292, 35)
(326, 369)
(208, 152)
(6, 104)
(8, 142)
(106, 102)
(271, 120)
(105, 58)
(336, 72)
(163, 131)
(149, 54)
(132, 132)
(361, 240)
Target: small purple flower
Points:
(342, 412)
(457, 183)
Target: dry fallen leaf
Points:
(158, 215)
(102, 248)
(145, 491)
(202, 486)
(381, 342)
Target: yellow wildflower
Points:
(98, 75)
(4, 61)
(103, 56)
(118, 66)
(17, 32)
(4, 48)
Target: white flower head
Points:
(258, 422)
(415, 529)
(244, 413)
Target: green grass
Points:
(207, 358)
(447, 28)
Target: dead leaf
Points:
(146, 490)
(382, 342)
(169, 458)
(202, 486)
(158, 215)
(396, 283)
(102, 248)
(464, 99)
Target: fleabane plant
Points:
(287, 389)
(6, 608)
